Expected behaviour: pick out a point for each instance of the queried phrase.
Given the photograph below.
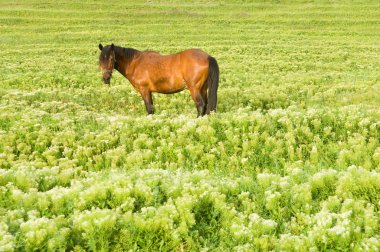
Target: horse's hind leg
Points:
(147, 97)
(199, 101)
(204, 96)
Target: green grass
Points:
(291, 161)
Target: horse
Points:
(149, 72)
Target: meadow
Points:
(290, 161)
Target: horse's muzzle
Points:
(107, 81)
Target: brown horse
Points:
(150, 71)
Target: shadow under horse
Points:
(149, 71)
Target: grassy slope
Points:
(299, 94)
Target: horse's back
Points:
(195, 55)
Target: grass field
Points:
(290, 162)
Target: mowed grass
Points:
(290, 161)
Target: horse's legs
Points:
(204, 96)
(199, 102)
(147, 97)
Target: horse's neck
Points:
(124, 57)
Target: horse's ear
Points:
(112, 46)
(100, 47)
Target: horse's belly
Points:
(168, 85)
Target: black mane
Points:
(126, 53)
(130, 53)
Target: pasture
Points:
(290, 161)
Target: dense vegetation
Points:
(291, 161)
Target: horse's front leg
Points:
(147, 97)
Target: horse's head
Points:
(107, 61)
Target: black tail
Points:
(213, 83)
